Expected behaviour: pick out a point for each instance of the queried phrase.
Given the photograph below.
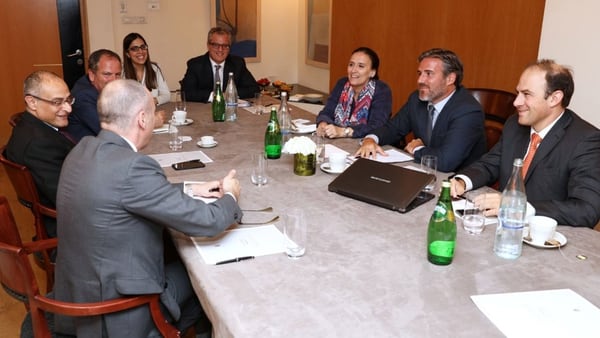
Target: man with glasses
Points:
(203, 71)
(36, 141)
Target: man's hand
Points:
(231, 184)
(413, 144)
(369, 149)
(208, 189)
(159, 118)
(492, 203)
(457, 187)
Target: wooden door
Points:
(30, 41)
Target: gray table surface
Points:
(365, 272)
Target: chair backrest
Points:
(14, 119)
(21, 180)
(27, 193)
(18, 279)
(498, 106)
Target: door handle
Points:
(77, 53)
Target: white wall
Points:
(177, 32)
(569, 36)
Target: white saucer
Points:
(185, 123)
(325, 167)
(200, 144)
(557, 237)
(313, 97)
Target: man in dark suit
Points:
(563, 179)
(113, 204)
(199, 80)
(453, 131)
(104, 66)
(36, 141)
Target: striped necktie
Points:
(533, 146)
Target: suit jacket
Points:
(563, 180)
(83, 120)
(198, 81)
(112, 206)
(379, 111)
(458, 137)
(42, 149)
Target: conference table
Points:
(365, 272)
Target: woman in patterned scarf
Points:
(358, 103)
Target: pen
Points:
(238, 259)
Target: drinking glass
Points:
(429, 166)
(320, 143)
(258, 104)
(180, 100)
(294, 233)
(175, 142)
(259, 169)
(473, 218)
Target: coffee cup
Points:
(179, 116)
(207, 140)
(337, 161)
(541, 229)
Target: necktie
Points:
(217, 76)
(533, 145)
(430, 113)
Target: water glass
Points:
(294, 233)
(320, 143)
(175, 142)
(473, 218)
(258, 104)
(180, 100)
(259, 169)
(429, 166)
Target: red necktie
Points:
(533, 145)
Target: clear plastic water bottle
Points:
(284, 117)
(231, 99)
(511, 215)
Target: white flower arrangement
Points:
(299, 145)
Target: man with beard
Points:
(445, 119)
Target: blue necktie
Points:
(430, 113)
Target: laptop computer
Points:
(383, 184)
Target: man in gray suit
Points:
(113, 204)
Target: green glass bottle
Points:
(441, 233)
(273, 136)
(218, 104)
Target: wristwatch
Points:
(347, 131)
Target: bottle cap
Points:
(445, 184)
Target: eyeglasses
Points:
(56, 102)
(137, 48)
(218, 45)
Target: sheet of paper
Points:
(165, 160)
(547, 313)
(257, 241)
(394, 156)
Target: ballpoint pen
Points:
(234, 260)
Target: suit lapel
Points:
(550, 141)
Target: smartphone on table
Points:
(192, 164)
